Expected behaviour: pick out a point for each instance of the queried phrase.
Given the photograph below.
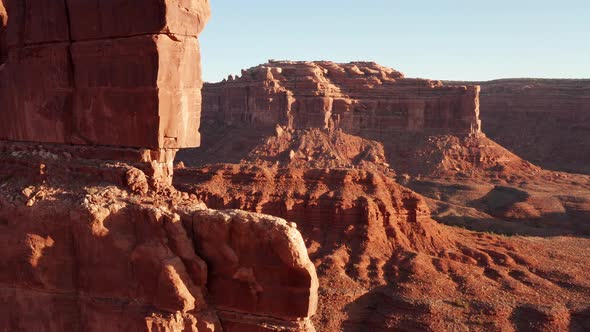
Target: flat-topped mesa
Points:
(101, 72)
(357, 97)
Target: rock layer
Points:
(93, 237)
(102, 72)
(382, 262)
(95, 247)
(546, 121)
(385, 265)
(3, 42)
(359, 98)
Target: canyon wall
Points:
(358, 97)
(119, 73)
(546, 121)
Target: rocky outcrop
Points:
(97, 97)
(92, 245)
(385, 265)
(269, 281)
(546, 121)
(361, 208)
(3, 42)
(119, 73)
(359, 97)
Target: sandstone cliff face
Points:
(359, 98)
(3, 43)
(101, 72)
(93, 237)
(91, 245)
(545, 121)
(383, 263)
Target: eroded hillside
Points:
(410, 229)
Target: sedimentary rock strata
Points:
(96, 98)
(384, 264)
(323, 202)
(93, 245)
(546, 121)
(3, 42)
(116, 73)
(359, 98)
(252, 283)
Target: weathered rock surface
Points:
(3, 41)
(546, 121)
(331, 206)
(384, 264)
(93, 237)
(359, 97)
(102, 72)
(458, 174)
(92, 245)
(259, 270)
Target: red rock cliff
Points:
(122, 73)
(358, 97)
(92, 237)
(78, 253)
(3, 23)
(546, 121)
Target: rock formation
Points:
(546, 121)
(385, 265)
(96, 98)
(372, 203)
(361, 98)
(120, 73)
(98, 95)
(3, 42)
(82, 252)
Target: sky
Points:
(438, 39)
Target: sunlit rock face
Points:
(358, 97)
(3, 43)
(92, 241)
(96, 97)
(546, 121)
(101, 72)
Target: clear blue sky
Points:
(439, 39)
